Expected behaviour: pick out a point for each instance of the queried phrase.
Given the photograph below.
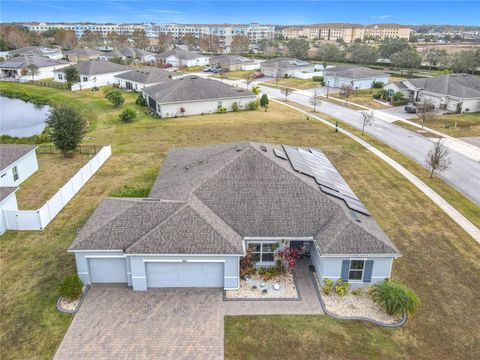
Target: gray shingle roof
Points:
(180, 54)
(146, 75)
(84, 52)
(21, 61)
(458, 85)
(128, 52)
(34, 50)
(6, 191)
(216, 195)
(354, 72)
(96, 67)
(285, 63)
(193, 88)
(10, 153)
(229, 59)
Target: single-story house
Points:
(17, 163)
(52, 53)
(234, 62)
(139, 78)
(359, 77)
(451, 92)
(93, 73)
(194, 95)
(283, 66)
(83, 54)
(131, 54)
(177, 57)
(17, 67)
(210, 204)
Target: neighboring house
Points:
(209, 204)
(177, 57)
(131, 54)
(359, 77)
(93, 73)
(286, 67)
(139, 78)
(234, 62)
(193, 95)
(451, 92)
(16, 68)
(52, 53)
(17, 163)
(83, 54)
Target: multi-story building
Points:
(346, 32)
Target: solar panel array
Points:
(280, 154)
(315, 164)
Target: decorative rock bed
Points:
(255, 287)
(70, 307)
(359, 307)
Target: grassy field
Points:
(294, 83)
(456, 125)
(236, 75)
(54, 171)
(440, 262)
(363, 97)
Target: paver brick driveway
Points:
(115, 322)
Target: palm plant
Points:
(395, 298)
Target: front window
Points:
(263, 252)
(85, 79)
(60, 77)
(15, 173)
(356, 270)
(219, 104)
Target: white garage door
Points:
(108, 270)
(184, 274)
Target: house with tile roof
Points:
(358, 77)
(210, 204)
(450, 92)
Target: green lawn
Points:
(363, 97)
(236, 75)
(293, 83)
(440, 262)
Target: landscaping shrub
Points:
(252, 105)
(327, 286)
(341, 287)
(400, 102)
(377, 84)
(378, 95)
(71, 287)
(128, 115)
(235, 107)
(398, 96)
(127, 191)
(317, 78)
(246, 264)
(115, 97)
(395, 298)
(264, 100)
(357, 291)
(268, 273)
(141, 101)
(221, 110)
(66, 126)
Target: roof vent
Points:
(238, 148)
(79, 231)
(263, 148)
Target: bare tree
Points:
(367, 117)
(248, 79)
(347, 91)
(139, 38)
(32, 69)
(425, 111)
(278, 76)
(223, 74)
(437, 158)
(286, 91)
(315, 100)
(165, 42)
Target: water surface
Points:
(20, 118)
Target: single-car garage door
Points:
(107, 270)
(185, 274)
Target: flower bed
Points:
(251, 287)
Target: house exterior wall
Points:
(87, 81)
(331, 267)
(274, 71)
(81, 259)
(338, 82)
(200, 107)
(450, 103)
(174, 61)
(43, 73)
(10, 203)
(135, 84)
(26, 166)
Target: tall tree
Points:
(330, 52)
(66, 39)
(437, 158)
(67, 127)
(390, 46)
(347, 91)
(190, 40)
(139, 38)
(165, 42)
(407, 58)
(298, 48)
(286, 91)
(32, 70)
(210, 43)
(240, 44)
(90, 39)
(363, 54)
(435, 57)
(71, 75)
(465, 61)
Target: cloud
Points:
(382, 17)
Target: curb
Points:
(398, 324)
(78, 305)
(295, 281)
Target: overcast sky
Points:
(263, 11)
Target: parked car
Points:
(411, 109)
(207, 69)
(258, 75)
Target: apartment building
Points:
(346, 32)
(79, 29)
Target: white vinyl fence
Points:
(39, 219)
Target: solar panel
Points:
(315, 164)
(280, 154)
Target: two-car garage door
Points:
(185, 274)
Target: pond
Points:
(20, 118)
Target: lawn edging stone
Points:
(62, 310)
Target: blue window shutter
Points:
(367, 274)
(345, 268)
